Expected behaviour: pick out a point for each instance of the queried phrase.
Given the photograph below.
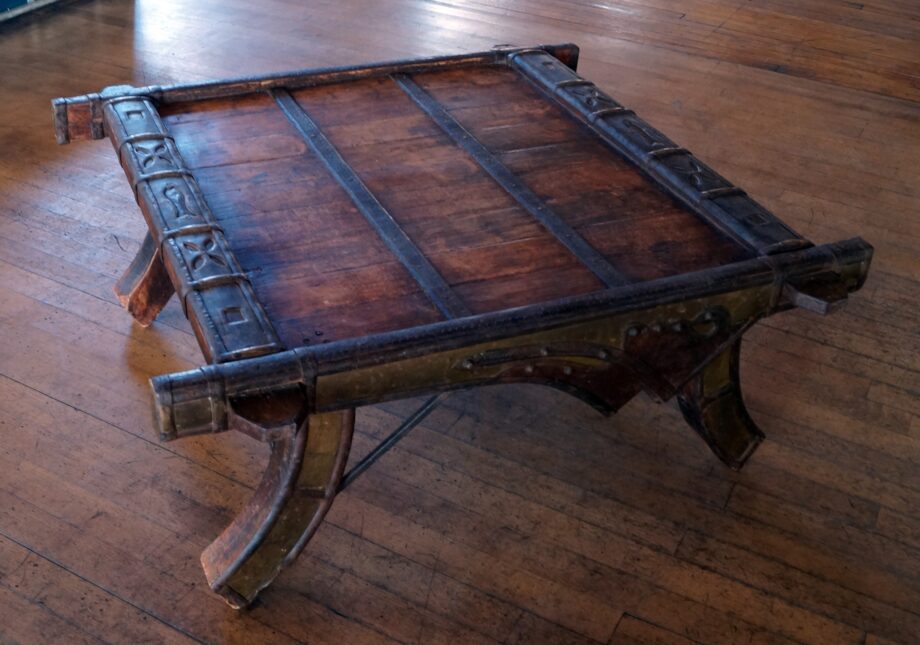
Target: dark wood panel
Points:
(225, 133)
(293, 228)
(441, 179)
(290, 292)
(658, 245)
(367, 317)
(519, 290)
(584, 182)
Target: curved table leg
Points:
(711, 403)
(303, 475)
(145, 287)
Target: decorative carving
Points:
(599, 375)
(704, 325)
(203, 252)
(151, 154)
(697, 175)
(592, 98)
(669, 350)
(596, 355)
(233, 315)
(179, 200)
(229, 321)
(135, 118)
(649, 136)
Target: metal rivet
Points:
(677, 326)
(544, 351)
(529, 369)
(656, 328)
(632, 331)
(602, 355)
(467, 364)
(567, 370)
(707, 315)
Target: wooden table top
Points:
(352, 203)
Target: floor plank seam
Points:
(100, 587)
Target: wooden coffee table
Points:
(340, 237)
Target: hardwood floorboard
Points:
(512, 514)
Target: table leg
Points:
(145, 287)
(296, 491)
(711, 403)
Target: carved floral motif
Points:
(202, 252)
(151, 154)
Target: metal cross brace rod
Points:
(413, 420)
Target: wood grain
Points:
(510, 515)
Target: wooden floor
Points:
(512, 514)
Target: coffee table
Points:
(340, 237)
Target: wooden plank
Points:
(586, 182)
(638, 632)
(386, 227)
(831, 600)
(529, 519)
(522, 194)
(102, 543)
(30, 620)
(241, 184)
(75, 600)
(813, 557)
(417, 178)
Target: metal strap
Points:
(424, 273)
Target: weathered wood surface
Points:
(458, 175)
(822, 522)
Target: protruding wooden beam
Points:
(80, 117)
(191, 402)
